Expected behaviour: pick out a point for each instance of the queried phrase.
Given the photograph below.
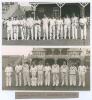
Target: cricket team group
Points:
(47, 28)
(45, 75)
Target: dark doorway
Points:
(29, 13)
(60, 61)
(87, 61)
(46, 9)
(87, 10)
(37, 60)
(70, 8)
(50, 61)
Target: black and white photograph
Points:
(56, 69)
(42, 23)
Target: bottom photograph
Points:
(55, 69)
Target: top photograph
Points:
(46, 24)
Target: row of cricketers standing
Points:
(47, 28)
(39, 75)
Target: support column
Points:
(60, 12)
(60, 5)
(34, 5)
(67, 61)
(82, 11)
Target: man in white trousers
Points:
(83, 27)
(72, 75)
(74, 27)
(28, 32)
(37, 29)
(33, 71)
(82, 73)
(23, 28)
(40, 73)
(53, 28)
(47, 70)
(58, 23)
(8, 75)
(18, 74)
(67, 27)
(55, 72)
(61, 27)
(15, 27)
(30, 22)
(45, 22)
(9, 29)
(26, 76)
(64, 74)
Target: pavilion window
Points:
(40, 10)
(56, 12)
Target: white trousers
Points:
(58, 31)
(33, 81)
(9, 34)
(8, 80)
(51, 32)
(84, 32)
(74, 32)
(61, 31)
(55, 79)
(40, 78)
(82, 80)
(23, 32)
(45, 32)
(72, 80)
(64, 77)
(66, 30)
(27, 33)
(15, 32)
(26, 78)
(18, 79)
(54, 33)
(37, 32)
(47, 78)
